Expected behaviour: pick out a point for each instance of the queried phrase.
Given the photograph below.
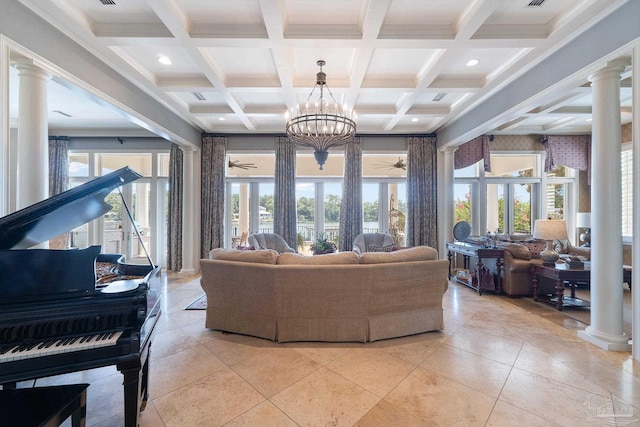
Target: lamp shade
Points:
(550, 229)
(583, 220)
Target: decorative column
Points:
(635, 304)
(606, 329)
(33, 135)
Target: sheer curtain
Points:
(58, 165)
(351, 220)
(174, 220)
(214, 151)
(284, 209)
(421, 192)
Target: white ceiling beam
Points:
(473, 17)
(170, 15)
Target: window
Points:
(146, 198)
(510, 197)
(626, 167)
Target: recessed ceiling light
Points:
(415, 119)
(472, 63)
(164, 60)
(222, 119)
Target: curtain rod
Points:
(377, 135)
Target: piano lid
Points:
(61, 213)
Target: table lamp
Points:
(550, 230)
(583, 220)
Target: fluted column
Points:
(32, 180)
(606, 329)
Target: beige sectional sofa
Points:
(333, 297)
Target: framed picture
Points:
(462, 274)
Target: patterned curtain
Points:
(59, 181)
(214, 151)
(421, 192)
(570, 151)
(284, 209)
(58, 165)
(351, 208)
(472, 152)
(174, 221)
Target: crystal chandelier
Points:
(322, 125)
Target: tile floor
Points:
(495, 364)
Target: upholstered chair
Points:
(373, 242)
(269, 241)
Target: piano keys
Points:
(59, 313)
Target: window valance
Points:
(472, 152)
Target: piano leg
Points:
(136, 386)
(131, 372)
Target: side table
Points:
(560, 273)
(44, 406)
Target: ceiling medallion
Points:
(322, 125)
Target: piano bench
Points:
(44, 406)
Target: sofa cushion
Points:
(417, 253)
(562, 246)
(263, 256)
(375, 248)
(518, 251)
(535, 248)
(338, 258)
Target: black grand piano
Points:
(69, 310)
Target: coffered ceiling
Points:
(237, 66)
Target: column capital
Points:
(613, 69)
(27, 67)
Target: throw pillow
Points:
(518, 251)
(535, 248)
(417, 253)
(374, 248)
(338, 258)
(265, 256)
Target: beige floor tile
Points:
(417, 352)
(233, 348)
(387, 415)
(614, 380)
(505, 415)
(376, 371)
(181, 368)
(324, 398)
(150, 417)
(536, 361)
(263, 415)
(210, 401)
(552, 400)
(441, 401)
(321, 352)
(485, 375)
(273, 370)
(504, 350)
(565, 349)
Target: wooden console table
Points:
(561, 273)
(485, 279)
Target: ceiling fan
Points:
(400, 164)
(237, 164)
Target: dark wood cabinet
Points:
(483, 277)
